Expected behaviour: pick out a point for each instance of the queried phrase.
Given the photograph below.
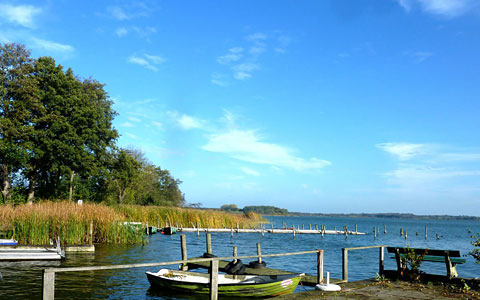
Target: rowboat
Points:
(228, 285)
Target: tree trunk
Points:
(31, 190)
(121, 195)
(5, 183)
(70, 192)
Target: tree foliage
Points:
(57, 140)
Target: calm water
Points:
(23, 280)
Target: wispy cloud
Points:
(129, 11)
(121, 32)
(22, 15)
(246, 145)
(249, 171)
(418, 56)
(157, 125)
(428, 167)
(148, 61)
(51, 46)
(445, 8)
(185, 121)
(405, 151)
(244, 60)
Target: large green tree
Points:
(17, 100)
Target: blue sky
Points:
(313, 106)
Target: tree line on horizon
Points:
(57, 140)
(259, 209)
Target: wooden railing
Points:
(48, 285)
(381, 259)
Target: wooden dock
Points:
(274, 231)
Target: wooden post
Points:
(356, 231)
(303, 226)
(234, 254)
(183, 242)
(320, 259)
(374, 232)
(384, 229)
(91, 232)
(426, 232)
(405, 234)
(316, 227)
(259, 253)
(214, 279)
(48, 282)
(401, 231)
(231, 232)
(345, 264)
(198, 229)
(209, 243)
(310, 226)
(146, 225)
(293, 232)
(381, 261)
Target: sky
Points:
(329, 106)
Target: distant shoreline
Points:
(384, 215)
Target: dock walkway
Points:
(275, 231)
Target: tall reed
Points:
(41, 223)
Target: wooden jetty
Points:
(275, 231)
(22, 253)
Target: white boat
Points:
(8, 242)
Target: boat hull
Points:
(276, 285)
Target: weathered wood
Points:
(209, 243)
(320, 261)
(214, 280)
(381, 261)
(234, 254)
(183, 243)
(426, 232)
(345, 264)
(91, 232)
(48, 283)
(259, 253)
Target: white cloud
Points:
(51, 46)
(219, 79)
(121, 32)
(242, 75)
(22, 14)
(245, 145)
(404, 151)
(158, 125)
(127, 124)
(148, 61)
(229, 58)
(134, 119)
(118, 13)
(257, 37)
(405, 4)
(188, 122)
(414, 175)
(249, 171)
(445, 8)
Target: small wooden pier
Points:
(274, 230)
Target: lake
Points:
(21, 280)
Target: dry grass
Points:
(39, 223)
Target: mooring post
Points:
(91, 232)
(198, 229)
(146, 225)
(381, 261)
(316, 227)
(214, 279)
(310, 226)
(320, 266)
(345, 264)
(231, 232)
(259, 253)
(374, 232)
(48, 282)
(234, 254)
(401, 231)
(356, 231)
(384, 229)
(405, 234)
(183, 243)
(303, 226)
(209, 243)
(426, 232)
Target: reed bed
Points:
(42, 223)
